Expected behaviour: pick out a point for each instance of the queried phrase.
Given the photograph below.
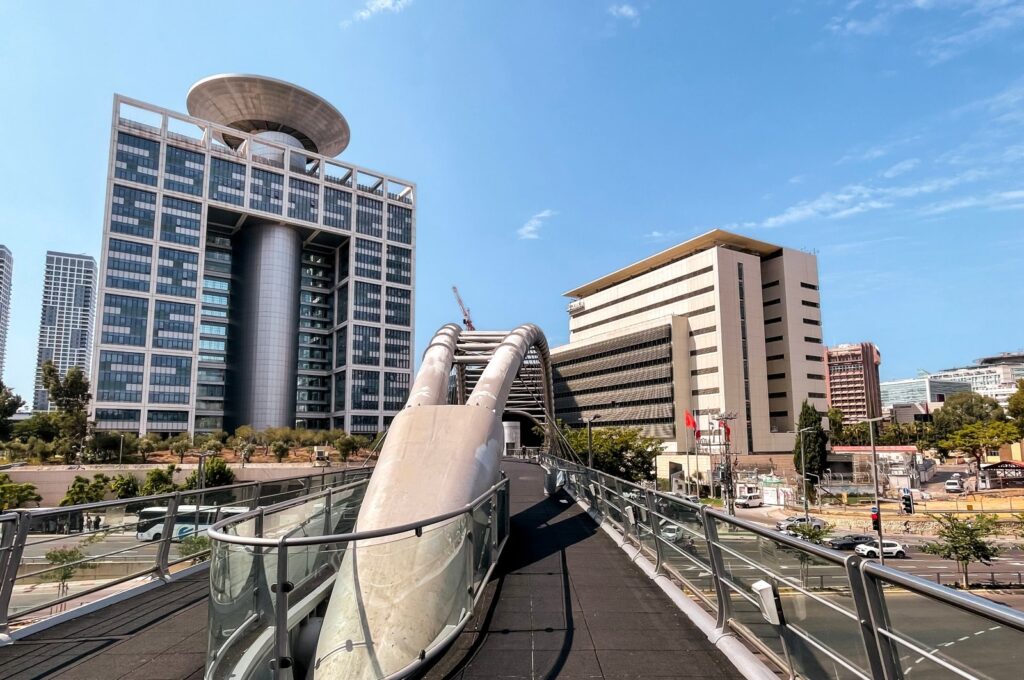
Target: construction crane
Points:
(467, 320)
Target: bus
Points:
(188, 520)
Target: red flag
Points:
(728, 433)
(691, 424)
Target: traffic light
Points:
(876, 520)
(908, 504)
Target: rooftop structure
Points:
(926, 390)
(994, 376)
(719, 324)
(66, 318)
(248, 277)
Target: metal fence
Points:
(273, 568)
(56, 559)
(840, 616)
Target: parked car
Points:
(794, 520)
(954, 486)
(750, 500)
(891, 549)
(848, 542)
(670, 531)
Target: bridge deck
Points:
(565, 602)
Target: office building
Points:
(924, 390)
(719, 324)
(995, 376)
(249, 277)
(6, 283)
(852, 384)
(66, 319)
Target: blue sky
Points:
(555, 141)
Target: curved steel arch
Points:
(443, 450)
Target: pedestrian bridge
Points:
(450, 561)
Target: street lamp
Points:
(590, 439)
(120, 454)
(874, 478)
(803, 471)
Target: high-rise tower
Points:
(248, 276)
(6, 283)
(65, 321)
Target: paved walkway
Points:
(567, 603)
(159, 635)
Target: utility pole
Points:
(728, 486)
(874, 476)
(120, 455)
(590, 440)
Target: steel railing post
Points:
(655, 529)
(863, 609)
(257, 494)
(328, 528)
(10, 575)
(722, 592)
(282, 660)
(163, 553)
(888, 653)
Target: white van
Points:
(954, 486)
(750, 500)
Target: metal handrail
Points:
(216, 533)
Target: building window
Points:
(227, 181)
(120, 377)
(365, 390)
(167, 420)
(812, 322)
(774, 338)
(177, 272)
(808, 303)
(342, 296)
(183, 171)
(775, 357)
(703, 350)
(816, 395)
(173, 325)
(364, 425)
(398, 306)
(124, 320)
(132, 211)
(340, 339)
(707, 390)
(137, 159)
(399, 224)
(815, 376)
(369, 216)
(213, 329)
(808, 286)
(368, 258)
(218, 261)
(118, 418)
(169, 379)
(776, 395)
(397, 348)
(366, 345)
(396, 390)
(772, 302)
(399, 265)
(366, 302)
(776, 319)
(303, 200)
(337, 208)
(180, 221)
(339, 391)
(776, 376)
(778, 414)
(814, 340)
(266, 191)
(704, 371)
(129, 265)
(812, 357)
(770, 284)
(702, 331)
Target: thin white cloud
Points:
(375, 7)
(869, 154)
(998, 200)
(857, 246)
(625, 12)
(981, 22)
(531, 228)
(901, 168)
(796, 179)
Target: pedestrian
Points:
(96, 521)
(88, 522)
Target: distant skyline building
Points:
(6, 284)
(995, 376)
(924, 390)
(719, 324)
(248, 277)
(852, 384)
(66, 318)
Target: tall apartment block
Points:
(721, 323)
(66, 319)
(6, 283)
(852, 381)
(249, 277)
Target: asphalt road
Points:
(126, 545)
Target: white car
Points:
(891, 549)
(796, 520)
(750, 500)
(954, 486)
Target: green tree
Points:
(14, 495)
(65, 562)
(979, 438)
(964, 541)
(1015, 407)
(179, 448)
(42, 426)
(280, 449)
(620, 451)
(159, 480)
(964, 408)
(347, 444)
(835, 426)
(815, 441)
(9, 405)
(217, 473)
(70, 395)
(84, 490)
(148, 444)
(196, 546)
(125, 486)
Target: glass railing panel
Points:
(975, 645)
(241, 611)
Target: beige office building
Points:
(721, 323)
(853, 383)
